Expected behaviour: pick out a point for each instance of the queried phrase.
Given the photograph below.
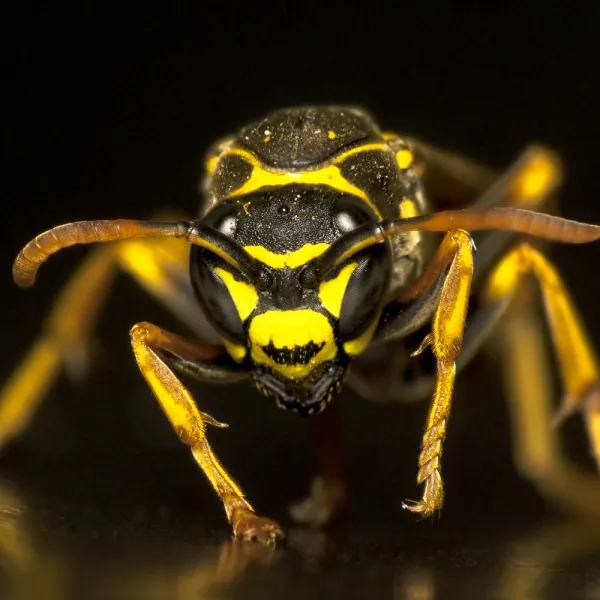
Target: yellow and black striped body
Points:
(285, 189)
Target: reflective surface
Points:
(51, 549)
(100, 500)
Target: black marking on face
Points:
(293, 356)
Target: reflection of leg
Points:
(28, 569)
(151, 346)
(536, 560)
(536, 445)
(16, 549)
(329, 494)
(234, 560)
(160, 266)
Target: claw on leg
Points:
(253, 528)
(432, 499)
(150, 345)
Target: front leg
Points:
(152, 346)
(456, 254)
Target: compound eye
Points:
(226, 297)
(364, 293)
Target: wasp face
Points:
(295, 334)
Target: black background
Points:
(108, 112)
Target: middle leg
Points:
(522, 343)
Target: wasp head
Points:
(294, 331)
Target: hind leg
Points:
(160, 266)
(536, 445)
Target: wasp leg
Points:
(446, 337)
(235, 558)
(65, 342)
(328, 495)
(532, 562)
(160, 266)
(151, 346)
(529, 183)
(452, 180)
(537, 452)
(387, 374)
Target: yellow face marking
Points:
(290, 329)
(404, 159)
(326, 175)
(331, 292)
(356, 249)
(358, 345)
(244, 295)
(218, 251)
(292, 259)
(331, 135)
(388, 136)
(236, 351)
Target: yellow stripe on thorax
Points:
(404, 158)
(327, 175)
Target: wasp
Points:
(323, 248)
